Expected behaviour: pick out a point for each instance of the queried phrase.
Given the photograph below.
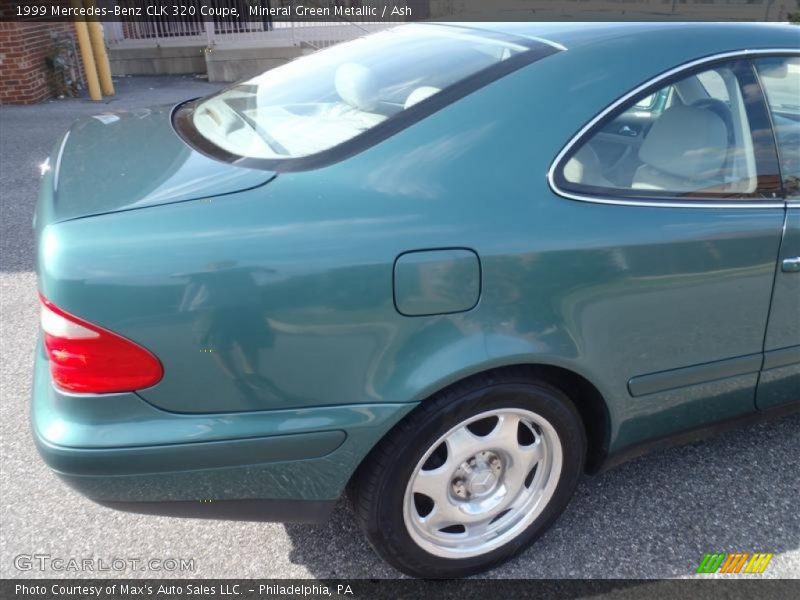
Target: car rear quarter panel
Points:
(281, 297)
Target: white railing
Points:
(255, 32)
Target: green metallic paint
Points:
(782, 358)
(170, 458)
(143, 164)
(694, 375)
(436, 282)
(780, 380)
(118, 440)
(674, 411)
(778, 386)
(272, 308)
(784, 325)
(126, 420)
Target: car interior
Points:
(781, 80)
(342, 103)
(690, 136)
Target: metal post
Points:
(87, 56)
(209, 32)
(99, 51)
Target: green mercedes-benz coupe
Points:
(447, 268)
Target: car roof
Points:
(567, 35)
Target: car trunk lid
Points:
(125, 160)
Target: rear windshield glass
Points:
(326, 98)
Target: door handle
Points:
(791, 265)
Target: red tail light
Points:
(89, 359)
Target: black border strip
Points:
(146, 584)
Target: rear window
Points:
(330, 97)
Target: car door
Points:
(779, 383)
(697, 217)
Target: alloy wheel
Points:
(482, 483)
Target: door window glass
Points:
(780, 78)
(691, 138)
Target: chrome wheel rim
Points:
(482, 483)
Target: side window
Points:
(780, 78)
(714, 85)
(692, 138)
(654, 104)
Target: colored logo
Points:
(739, 562)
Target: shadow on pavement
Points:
(654, 517)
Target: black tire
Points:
(378, 488)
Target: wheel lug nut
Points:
(460, 488)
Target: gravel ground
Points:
(654, 517)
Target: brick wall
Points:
(24, 75)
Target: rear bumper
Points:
(122, 452)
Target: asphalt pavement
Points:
(651, 518)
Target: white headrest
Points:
(420, 94)
(583, 167)
(686, 141)
(357, 86)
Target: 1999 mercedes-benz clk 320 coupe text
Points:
(446, 268)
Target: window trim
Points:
(790, 200)
(675, 202)
(536, 49)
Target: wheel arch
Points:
(586, 397)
